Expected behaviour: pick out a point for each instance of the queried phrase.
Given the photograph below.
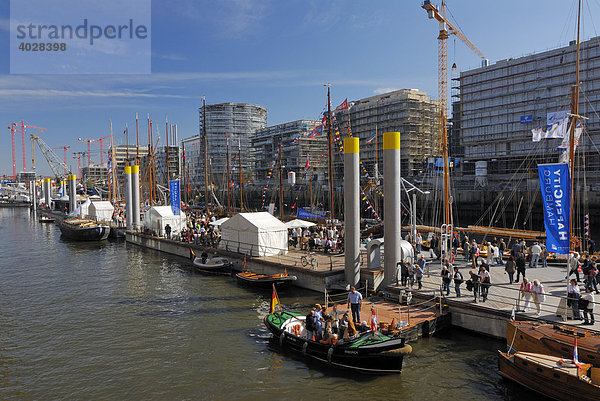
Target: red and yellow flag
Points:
(275, 300)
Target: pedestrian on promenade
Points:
(411, 273)
(422, 262)
(510, 269)
(465, 247)
(474, 253)
(474, 280)
(520, 263)
(419, 275)
(419, 242)
(354, 303)
(525, 292)
(539, 296)
(588, 310)
(573, 295)
(501, 249)
(490, 254)
(458, 280)
(403, 273)
(574, 265)
(536, 251)
(446, 279)
(485, 282)
(544, 255)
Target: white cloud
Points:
(72, 93)
(380, 91)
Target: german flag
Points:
(275, 301)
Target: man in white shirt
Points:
(536, 250)
(588, 310)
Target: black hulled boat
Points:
(83, 229)
(365, 352)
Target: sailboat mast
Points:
(574, 117)
(167, 154)
(376, 172)
(228, 178)
(280, 183)
(205, 154)
(112, 164)
(330, 151)
(241, 182)
(443, 83)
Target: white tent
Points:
(297, 223)
(82, 209)
(157, 217)
(217, 223)
(255, 234)
(101, 211)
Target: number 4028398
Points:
(42, 47)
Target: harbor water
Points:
(114, 321)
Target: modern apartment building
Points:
(233, 122)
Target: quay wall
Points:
(308, 279)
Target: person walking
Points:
(525, 293)
(588, 310)
(501, 249)
(544, 255)
(520, 263)
(446, 279)
(573, 295)
(536, 251)
(491, 249)
(510, 269)
(574, 264)
(419, 276)
(354, 303)
(485, 282)
(474, 278)
(458, 279)
(403, 273)
(411, 273)
(539, 296)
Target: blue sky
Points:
(277, 54)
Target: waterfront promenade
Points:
(503, 297)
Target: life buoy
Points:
(296, 329)
(576, 242)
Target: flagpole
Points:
(376, 172)
(228, 178)
(241, 182)
(127, 145)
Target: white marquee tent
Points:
(101, 210)
(255, 234)
(157, 217)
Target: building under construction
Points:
(408, 111)
(500, 104)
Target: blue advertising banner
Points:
(175, 199)
(305, 214)
(555, 185)
(527, 119)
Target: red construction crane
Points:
(14, 164)
(89, 151)
(65, 150)
(22, 131)
(101, 140)
(77, 155)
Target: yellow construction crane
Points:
(446, 29)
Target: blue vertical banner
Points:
(175, 198)
(555, 184)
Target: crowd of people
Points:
(198, 229)
(517, 258)
(329, 326)
(326, 238)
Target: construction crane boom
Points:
(57, 166)
(445, 30)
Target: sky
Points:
(273, 53)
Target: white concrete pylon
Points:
(72, 192)
(351, 211)
(391, 205)
(128, 198)
(135, 196)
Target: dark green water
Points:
(117, 322)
